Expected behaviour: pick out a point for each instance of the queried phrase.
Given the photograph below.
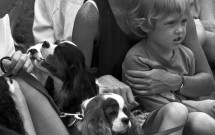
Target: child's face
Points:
(7, 5)
(169, 32)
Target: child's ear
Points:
(142, 23)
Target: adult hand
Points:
(154, 81)
(109, 84)
(18, 61)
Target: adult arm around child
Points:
(200, 84)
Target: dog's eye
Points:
(125, 109)
(112, 113)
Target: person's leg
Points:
(199, 124)
(209, 46)
(207, 106)
(169, 116)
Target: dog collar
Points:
(74, 117)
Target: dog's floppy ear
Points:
(95, 123)
(79, 80)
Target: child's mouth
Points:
(177, 39)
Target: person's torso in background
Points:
(6, 41)
(61, 14)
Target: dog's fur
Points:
(103, 114)
(9, 115)
(65, 63)
(107, 114)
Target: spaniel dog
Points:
(10, 117)
(64, 62)
(107, 114)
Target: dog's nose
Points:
(125, 120)
(45, 44)
(33, 51)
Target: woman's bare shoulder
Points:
(88, 12)
(87, 19)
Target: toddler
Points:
(162, 25)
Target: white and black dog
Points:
(74, 83)
(107, 114)
(65, 63)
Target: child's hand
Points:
(18, 61)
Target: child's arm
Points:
(147, 77)
(150, 78)
(200, 84)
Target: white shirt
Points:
(54, 19)
(6, 40)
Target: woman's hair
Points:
(145, 13)
(9, 114)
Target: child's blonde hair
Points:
(145, 13)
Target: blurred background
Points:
(21, 24)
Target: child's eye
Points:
(171, 23)
(184, 21)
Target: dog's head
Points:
(65, 61)
(9, 115)
(62, 59)
(105, 114)
(36, 57)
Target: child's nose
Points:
(180, 29)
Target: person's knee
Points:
(175, 108)
(198, 119)
(199, 123)
(209, 46)
(176, 111)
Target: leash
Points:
(169, 131)
(172, 130)
(173, 100)
(165, 132)
(74, 117)
(31, 81)
(169, 99)
(35, 84)
(28, 78)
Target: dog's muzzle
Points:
(48, 66)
